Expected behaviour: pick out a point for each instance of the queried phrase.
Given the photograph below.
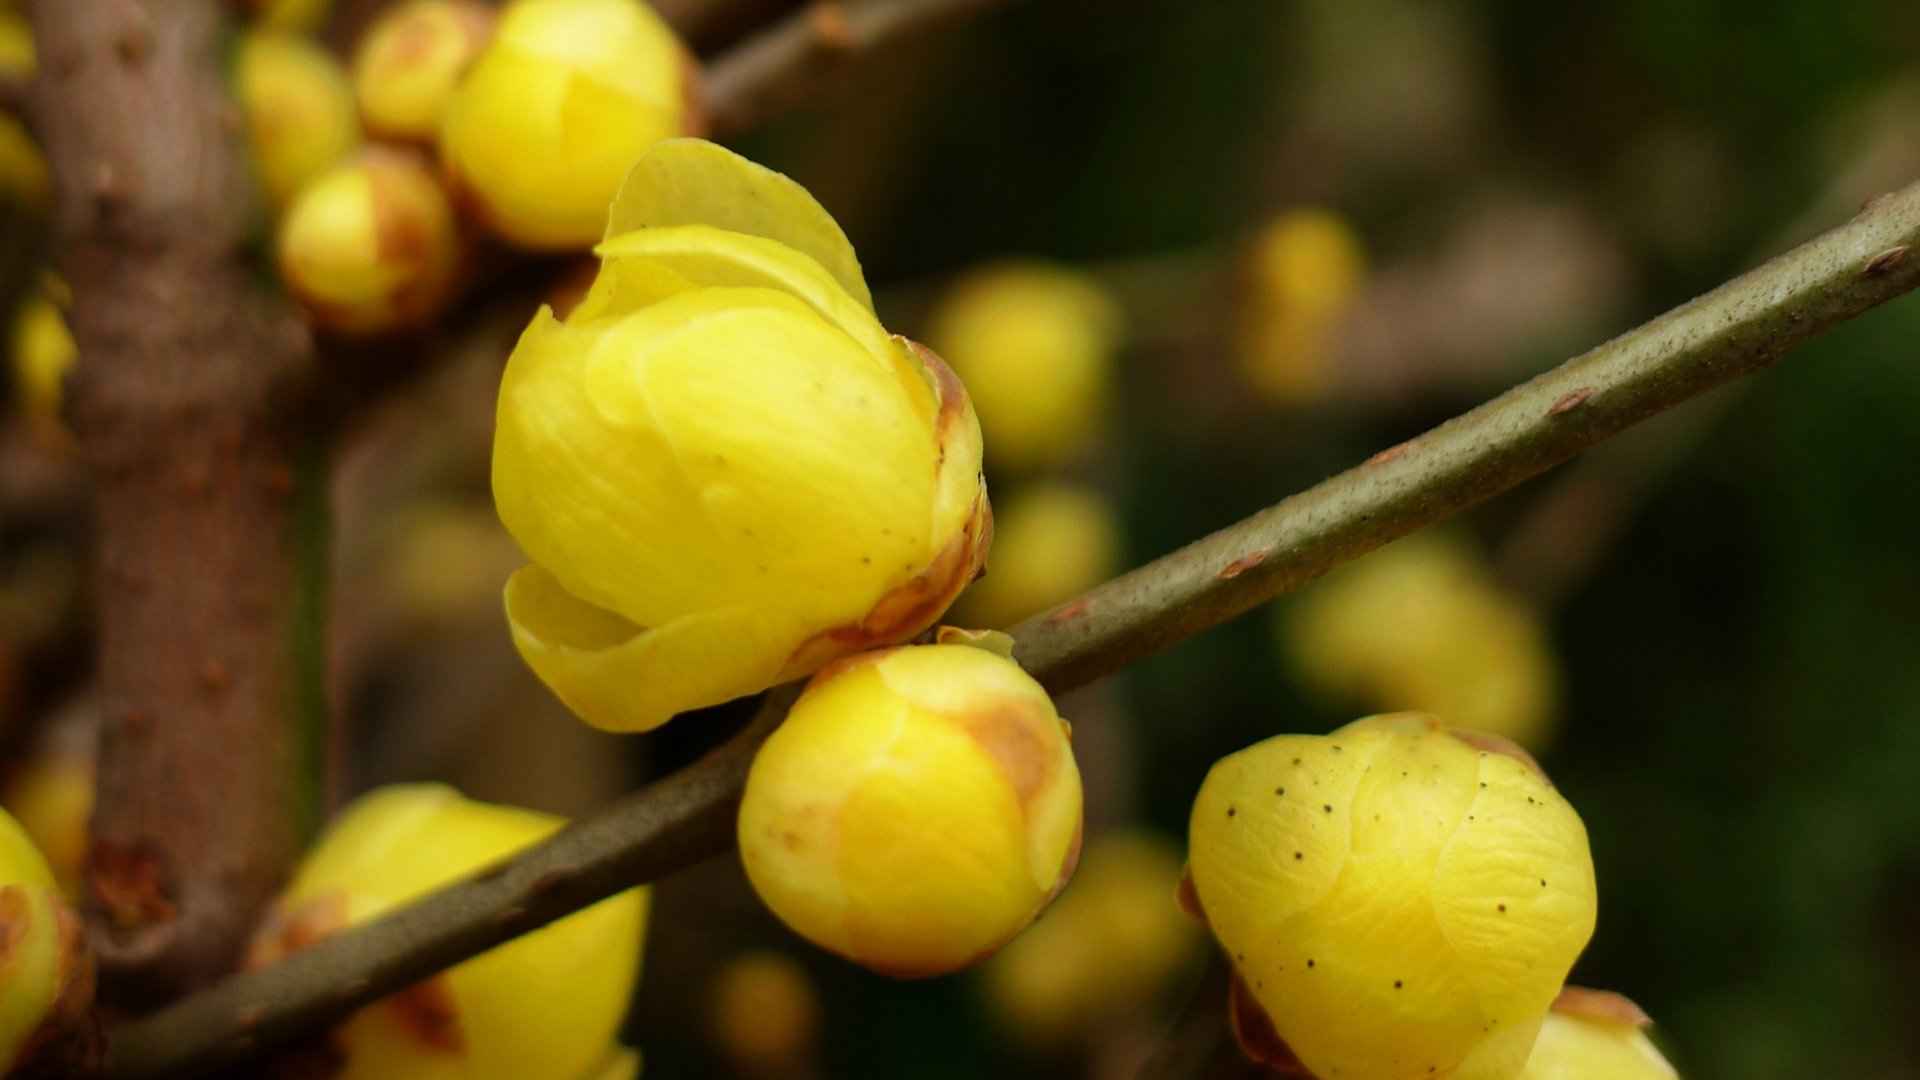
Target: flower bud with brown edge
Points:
(406, 67)
(371, 246)
(46, 972)
(917, 809)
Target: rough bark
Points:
(186, 403)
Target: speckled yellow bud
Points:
(546, 1004)
(1421, 624)
(1302, 273)
(1399, 903)
(1035, 345)
(724, 471)
(1052, 542)
(559, 105)
(46, 976)
(917, 809)
(298, 108)
(371, 245)
(24, 178)
(293, 16)
(1596, 1035)
(406, 67)
(1113, 941)
(43, 352)
(766, 1014)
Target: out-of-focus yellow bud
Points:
(298, 107)
(24, 178)
(1106, 948)
(724, 471)
(294, 16)
(1421, 624)
(43, 353)
(1399, 903)
(1052, 542)
(406, 68)
(1302, 273)
(46, 975)
(766, 1014)
(50, 793)
(546, 1004)
(917, 809)
(446, 560)
(1035, 345)
(18, 58)
(371, 245)
(559, 105)
(1596, 1035)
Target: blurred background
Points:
(1192, 258)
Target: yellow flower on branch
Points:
(1400, 902)
(917, 809)
(545, 1004)
(563, 100)
(725, 473)
(46, 974)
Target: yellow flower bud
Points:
(724, 471)
(406, 68)
(1595, 1035)
(50, 794)
(1035, 345)
(298, 108)
(1302, 274)
(1400, 904)
(289, 15)
(1422, 625)
(1106, 948)
(546, 1004)
(917, 809)
(18, 58)
(46, 976)
(559, 105)
(43, 353)
(766, 1014)
(24, 177)
(371, 245)
(1052, 542)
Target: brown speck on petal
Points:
(1603, 1005)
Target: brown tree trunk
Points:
(187, 402)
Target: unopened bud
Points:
(299, 110)
(406, 68)
(1302, 273)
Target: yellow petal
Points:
(621, 677)
(641, 267)
(695, 182)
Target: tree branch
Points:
(1736, 330)
(185, 402)
(770, 70)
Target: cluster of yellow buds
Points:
(1302, 273)
(46, 974)
(1397, 900)
(1421, 624)
(917, 809)
(1103, 952)
(1035, 344)
(725, 472)
(546, 1004)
